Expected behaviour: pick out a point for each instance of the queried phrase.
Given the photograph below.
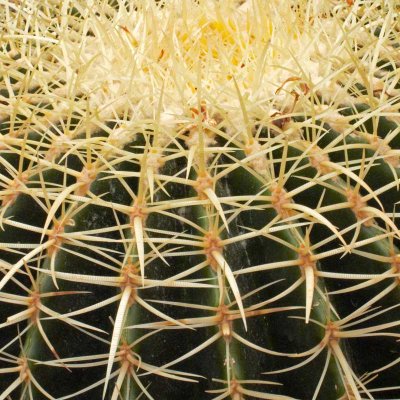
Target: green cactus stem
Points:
(199, 199)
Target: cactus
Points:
(199, 199)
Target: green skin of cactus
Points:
(185, 360)
(89, 313)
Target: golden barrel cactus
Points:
(199, 199)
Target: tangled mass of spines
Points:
(199, 199)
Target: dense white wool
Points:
(120, 63)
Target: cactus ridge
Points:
(199, 199)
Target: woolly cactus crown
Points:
(152, 63)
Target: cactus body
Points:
(200, 200)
